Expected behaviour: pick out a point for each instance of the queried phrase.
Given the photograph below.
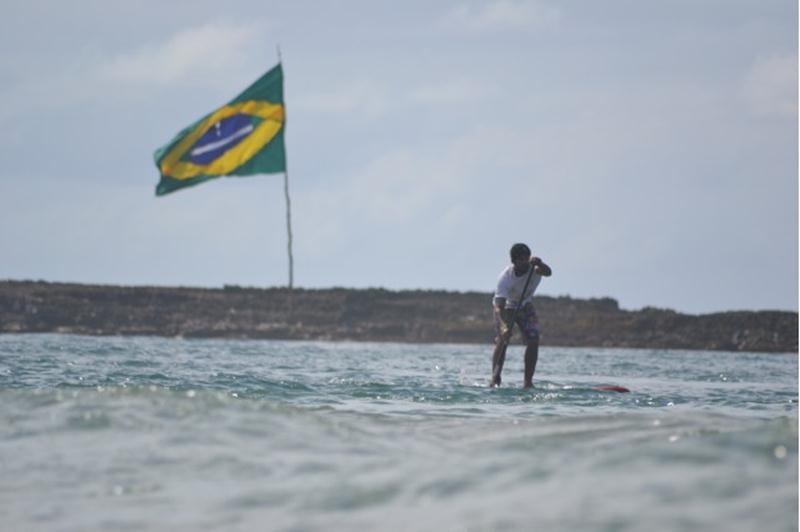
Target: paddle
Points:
(498, 367)
(519, 303)
(500, 350)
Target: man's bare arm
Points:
(540, 267)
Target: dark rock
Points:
(371, 315)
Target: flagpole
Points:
(288, 205)
(289, 226)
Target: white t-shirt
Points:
(509, 286)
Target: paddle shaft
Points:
(519, 303)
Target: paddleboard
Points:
(604, 388)
(611, 388)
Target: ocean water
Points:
(101, 434)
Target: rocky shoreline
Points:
(371, 315)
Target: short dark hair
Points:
(518, 251)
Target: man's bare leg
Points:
(531, 356)
(498, 359)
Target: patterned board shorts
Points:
(527, 322)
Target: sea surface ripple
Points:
(153, 434)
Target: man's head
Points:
(520, 252)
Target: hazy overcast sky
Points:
(647, 150)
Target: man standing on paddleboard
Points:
(513, 303)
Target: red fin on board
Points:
(611, 388)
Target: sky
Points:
(646, 150)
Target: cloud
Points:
(207, 55)
(457, 92)
(407, 184)
(371, 100)
(434, 190)
(501, 15)
(770, 87)
(203, 52)
(359, 97)
(230, 230)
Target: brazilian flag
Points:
(243, 137)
